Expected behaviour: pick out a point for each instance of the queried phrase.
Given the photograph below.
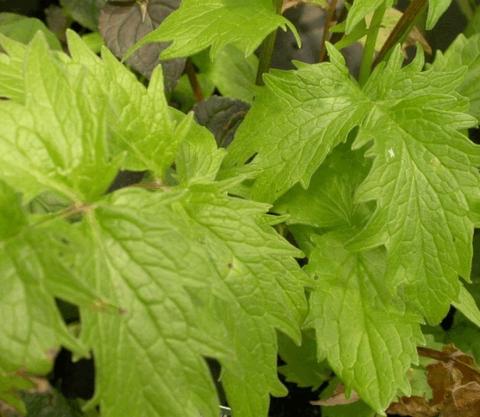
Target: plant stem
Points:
(267, 49)
(402, 28)
(369, 49)
(192, 78)
(326, 28)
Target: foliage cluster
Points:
(323, 217)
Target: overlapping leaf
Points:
(369, 341)
(35, 268)
(195, 272)
(199, 24)
(361, 8)
(329, 201)
(138, 117)
(462, 52)
(425, 181)
(57, 140)
(293, 125)
(11, 70)
(85, 12)
(424, 177)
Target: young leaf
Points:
(232, 73)
(329, 199)
(195, 272)
(138, 117)
(461, 52)
(360, 9)
(11, 70)
(369, 342)
(294, 123)
(199, 24)
(198, 159)
(301, 364)
(56, 141)
(436, 9)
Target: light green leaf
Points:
(35, 268)
(360, 9)
(23, 29)
(467, 305)
(12, 85)
(424, 179)
(233, 74)
(57, 140)
(369, 341)
(199, 24)
(138, 117)
(329, 199)
(436, 8)
(462, 52)
(198, 159)
(294, 123)
(195, 272)
(301, 364)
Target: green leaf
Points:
(36, 267)
(199, 24)
(358, 409)
(467, 305)
(368, 339)
(360, 9)
(57, 140)
(329, 199)
(462, 52)
(473, 26)
(195, 273)
(301, 364)
(23, 29)
(12, 85)
(232, 73)
(294, 123)
(424, 176)
(85, 12)
(198, 159)
(50, 404)
(426, 189)
(436, 9)
(138, 117)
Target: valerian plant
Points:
(336, 230)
